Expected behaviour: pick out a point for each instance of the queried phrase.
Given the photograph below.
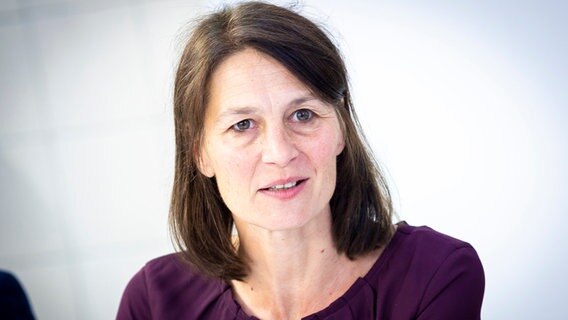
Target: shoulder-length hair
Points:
(200, 222)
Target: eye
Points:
(243, 125)
(302, 115)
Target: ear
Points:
(204, 163)
(340, 144)
(342, 128)
(342, 136)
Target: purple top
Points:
(421, 274)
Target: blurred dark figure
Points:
(13, 301)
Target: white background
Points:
(464, 103)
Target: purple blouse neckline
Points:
(421, 273)
(340, 303)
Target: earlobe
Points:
(342, 132)
(204, 168)
(203, 164)
(340, 145)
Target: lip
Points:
(284, 194)
(282, 181)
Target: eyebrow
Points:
(235, 111)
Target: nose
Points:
(278, 147)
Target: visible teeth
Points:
(284, 186)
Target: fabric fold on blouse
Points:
(422, 274)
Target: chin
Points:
(289, 220)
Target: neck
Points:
(288, 269)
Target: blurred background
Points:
(464, 103)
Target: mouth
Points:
(285, 186)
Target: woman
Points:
(278, 208)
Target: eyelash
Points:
(251, 123)
(238, 129)
(311, 115)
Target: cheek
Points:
(233, 169)
(234, 178)
(326, 148)
(322, 153)
(224, 155)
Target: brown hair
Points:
(201, 224)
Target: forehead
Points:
(250, 74)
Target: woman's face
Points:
(270, 143)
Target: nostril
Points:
(278, 148)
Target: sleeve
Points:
(456, 288)
(134, 303)
(14, 303)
